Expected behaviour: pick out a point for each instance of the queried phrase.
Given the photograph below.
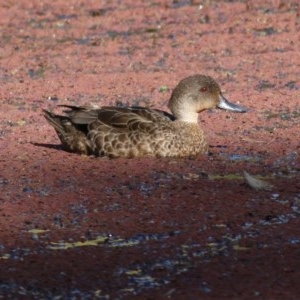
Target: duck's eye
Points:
(203, 89)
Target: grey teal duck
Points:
(140, 131)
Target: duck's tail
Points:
(73, 137)
(59, 123)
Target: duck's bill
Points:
(225, 104)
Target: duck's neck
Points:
(182, 111)
(186, 115)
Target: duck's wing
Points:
(119, 118)
(111, 131)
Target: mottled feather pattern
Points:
(147, 139)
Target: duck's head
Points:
(195, 94)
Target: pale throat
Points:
(187, 115)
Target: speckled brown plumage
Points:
(138, 131)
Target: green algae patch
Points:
(37, 231)
(226, 177)
(66, 245)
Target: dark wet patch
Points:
(292, 85)
(265, 84)
(265, 31)
(37, 73)
(286, 114)
(98, 12)
(182, 3)
(53, 98)
(66, 16)
(113, 34)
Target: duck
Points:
(134, 131)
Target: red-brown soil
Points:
(76, 227)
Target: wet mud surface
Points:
(77, 227)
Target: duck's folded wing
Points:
(131, 118)
(121, 118)
(81, 115)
